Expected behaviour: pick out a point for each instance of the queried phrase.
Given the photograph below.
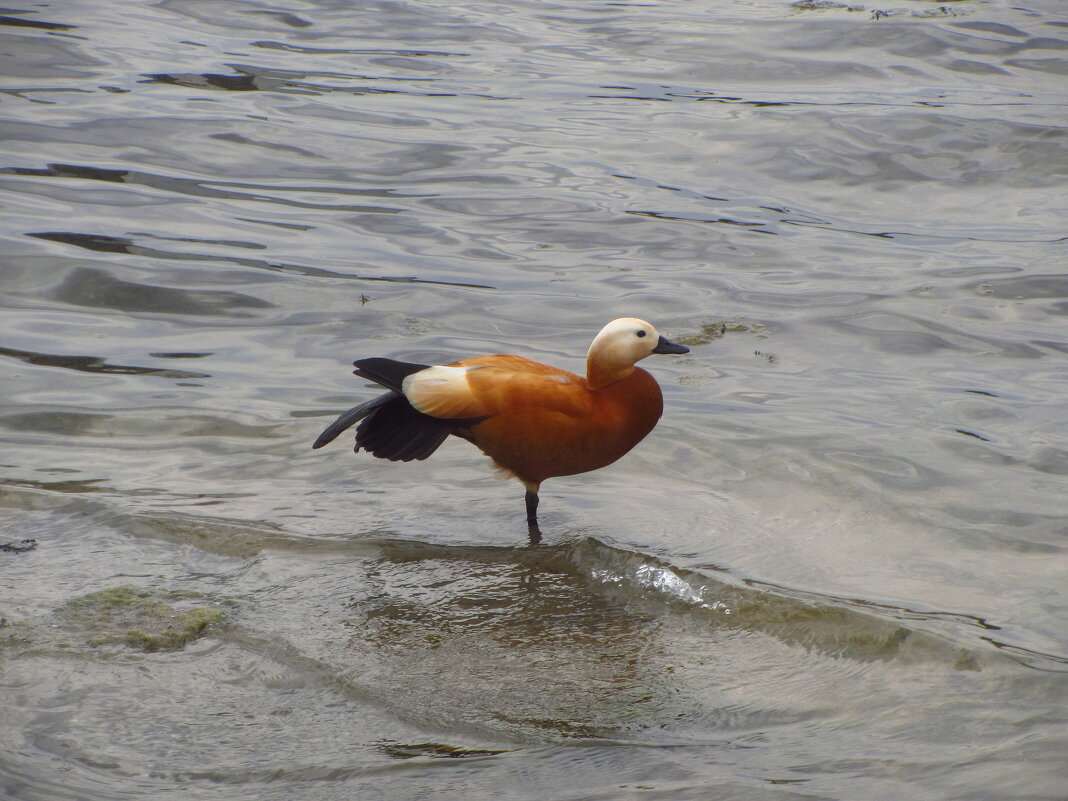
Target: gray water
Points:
(837, 569)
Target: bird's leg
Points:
(532, 506)
(532, 514)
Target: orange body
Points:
(544, 422)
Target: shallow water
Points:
(837, 569)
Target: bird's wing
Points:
(351, 417)
(487, 386)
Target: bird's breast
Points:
(596, 428)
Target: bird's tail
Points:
(387, 372)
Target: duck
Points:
(533, 420)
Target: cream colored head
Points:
(619, 346)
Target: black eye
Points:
(641, 333)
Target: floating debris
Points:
(19, 546)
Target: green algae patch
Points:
(140, 618)
(187, 627)
(718, 329)
(396, 750)
(943, 8)
(823, 5)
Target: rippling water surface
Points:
(838, 569)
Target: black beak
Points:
(667, 346)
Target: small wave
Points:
(824, 624)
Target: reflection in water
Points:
(26, 22)
(254, 79)
(65, 423)
(206, 188)
(88, 286)
(97, 364)
(114, 244)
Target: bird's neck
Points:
(600, 374)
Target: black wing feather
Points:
(400, 433)
(351, 417)
(391, 428)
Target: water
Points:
(837, 568)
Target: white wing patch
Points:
(440, 391)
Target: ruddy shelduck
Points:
(534, 421)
